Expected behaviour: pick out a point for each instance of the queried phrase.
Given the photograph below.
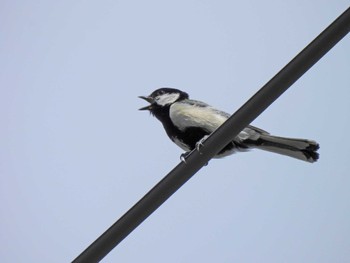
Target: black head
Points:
(163, 97)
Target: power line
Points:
(221, 137)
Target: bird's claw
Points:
(184, 156)
(199, 144)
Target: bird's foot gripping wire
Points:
(184, 156)
(199, 144)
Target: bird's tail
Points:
(301, 149)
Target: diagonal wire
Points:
(221, 137)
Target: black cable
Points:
(221, 137)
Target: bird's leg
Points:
(199, 144)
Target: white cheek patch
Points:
(166, 99)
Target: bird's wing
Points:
(191, 113)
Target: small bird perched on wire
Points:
(188, 122)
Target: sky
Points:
(76, 154)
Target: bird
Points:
(189, 122)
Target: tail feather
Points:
(301, 149)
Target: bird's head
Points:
(162, 98)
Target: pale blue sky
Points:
(76, 154)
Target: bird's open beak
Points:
(148, 99)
